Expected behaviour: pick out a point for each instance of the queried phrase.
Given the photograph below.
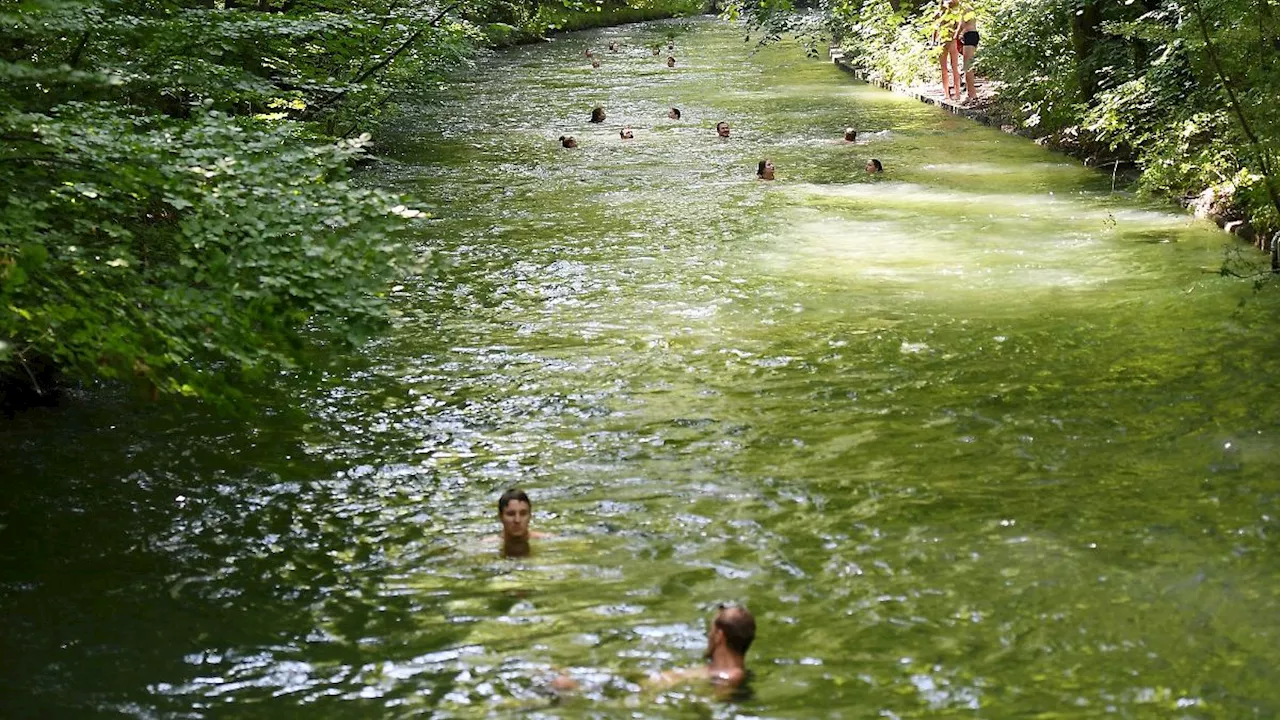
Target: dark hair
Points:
(597, 114)
(676, 111)
(850, 134)
(760, 168)
(513, 494)
(721, 123)
(879, 166)
(738, 626)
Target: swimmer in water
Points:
(874, 166)
(850, 135)
(567, 141)
(595, 62)
(764, 171)
(657, 50)
(625, 133)
(722, 129)
(586, 53)
(597, 115)
(514, 512)
(674, 113)
(671, 61)
(730, 636)
(613, 47)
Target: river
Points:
(979, 437)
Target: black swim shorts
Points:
(971, 37)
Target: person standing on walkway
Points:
(969, 43)
(945, 32)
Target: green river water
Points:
(977, 438)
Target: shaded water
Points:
(976, 438)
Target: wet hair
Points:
(721, 123)
(513, 494)
(676, 111)
(760, 168)
(625, 133)
(878, 164)
(738, 626)
(850, 134)
(597, 114)
(671, 59)
(567, 141)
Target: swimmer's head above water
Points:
(597, 114)
(850, 134)
(722, 129)
(515, 511)
(764, 171)
(732, 631)
(671, 61)
(674, 113)
(625, 133)
(567, 141)
(874, 166)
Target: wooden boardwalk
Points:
(979, 110)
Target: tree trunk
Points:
(1084, 38)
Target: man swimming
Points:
(597, 115)
(722, 129)
(671, 61)
(850, 135)
(625, 133)
(732, 631)
(567, 141)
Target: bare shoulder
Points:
(728, 678)
(671, 678)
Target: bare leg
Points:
(950, 71)
(955, 67)
(968, 71)
(942, 62)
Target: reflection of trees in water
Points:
(123, 587)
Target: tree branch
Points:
(378, 66)
(74, 60)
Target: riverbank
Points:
(987, 110)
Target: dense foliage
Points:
(176, 203)
(1186, 88)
